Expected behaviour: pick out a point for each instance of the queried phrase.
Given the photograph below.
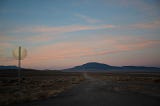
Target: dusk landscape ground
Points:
(35, 85)
(54, 88)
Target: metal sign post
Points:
(19, 53)
(19, 65)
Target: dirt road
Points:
(93, 92)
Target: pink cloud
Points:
(4, 38)
(5, 45)
(138, 45)
(62, 29)
(48, 30)
(149, 25)
(61, 52)
(38, 38)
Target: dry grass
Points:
(145, 83)
(35, 85)
(131, 77)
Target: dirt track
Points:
(93, 92)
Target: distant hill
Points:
(94, 66)
(8, 67)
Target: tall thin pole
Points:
(19, 65)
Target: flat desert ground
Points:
(92, 89)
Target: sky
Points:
(60, 34)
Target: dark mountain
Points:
(139, 67)
(8, 67)
(94, 66)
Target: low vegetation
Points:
(132, 77)
(145, 83)
(34, 85)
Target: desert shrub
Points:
(156, 80)
(35, 86)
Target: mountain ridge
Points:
(8, 67)
(95, 66)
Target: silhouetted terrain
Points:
(95, 91)
(34, 85)
(91, 84)
(8, 67)
(94, 66)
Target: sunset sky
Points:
(60, 34)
